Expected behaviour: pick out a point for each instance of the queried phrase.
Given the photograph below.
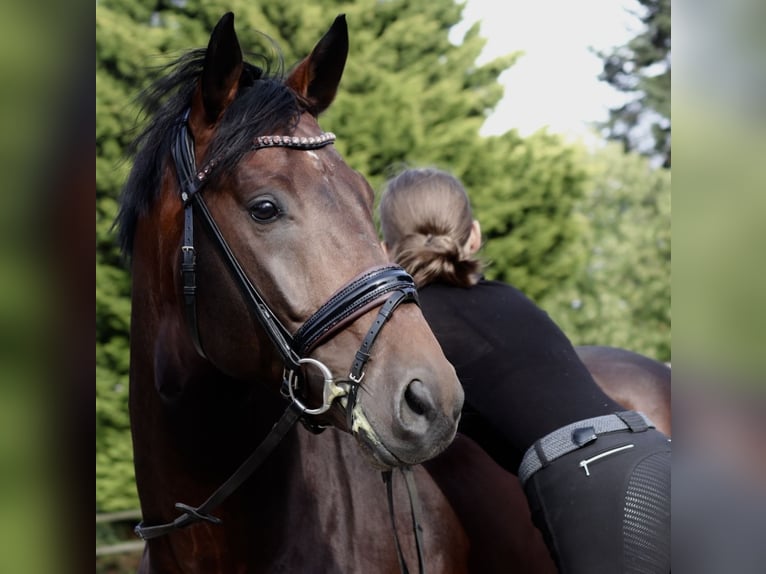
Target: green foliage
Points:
(409, 96)
(622, 296)
(524, 192)
(642, 68)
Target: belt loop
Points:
(634, 420)
(541, 454)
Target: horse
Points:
(237, 333)
(258, 282)
(634, 380)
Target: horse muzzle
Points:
(416, 422)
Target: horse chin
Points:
(377, 453)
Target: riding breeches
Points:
(599, 491)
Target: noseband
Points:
(386, 287)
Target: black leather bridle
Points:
(386, 287)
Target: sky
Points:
(555, 83)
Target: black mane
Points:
(263, 105)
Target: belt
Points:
(576, 435)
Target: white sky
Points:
(555, 83)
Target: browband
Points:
(310, 142)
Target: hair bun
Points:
(444, 246)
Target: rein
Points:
(386, 287)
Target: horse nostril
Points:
(418, 398)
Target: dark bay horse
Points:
(249, 308)
(261, 297)
(634, 380)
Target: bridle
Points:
(386, 287)
(356, 297)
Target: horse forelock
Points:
(264, 104)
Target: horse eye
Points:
(264, 210)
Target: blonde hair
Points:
(426, 220)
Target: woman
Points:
(597, 477)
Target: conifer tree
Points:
(641, 69)
(621, 296)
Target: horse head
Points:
(258, 259)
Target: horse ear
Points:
(317, 76)
(221, 71)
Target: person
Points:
(597, 477)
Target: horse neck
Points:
(192, 428)
(186, 413)
(307, 504)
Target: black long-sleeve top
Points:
(521, 374)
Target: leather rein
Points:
(386, 287)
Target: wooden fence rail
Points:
(119, 547)
(118, 516)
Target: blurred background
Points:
(556, 117)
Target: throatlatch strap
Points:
(189, 278)
(183, 157)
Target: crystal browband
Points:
(294, 142)
(311, 142)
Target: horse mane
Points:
(263, 105)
